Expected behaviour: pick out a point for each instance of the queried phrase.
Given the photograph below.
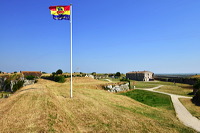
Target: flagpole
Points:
(71, 49)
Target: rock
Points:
(28, 82)
(117, 88)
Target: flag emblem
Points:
(60, 12)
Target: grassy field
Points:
(151, 98)
(192, 108)
(176, 90)
(169, 87)
(46, 107)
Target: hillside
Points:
(46, 107)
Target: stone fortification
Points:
(117, 87)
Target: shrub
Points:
(60, 79)
(124, 79)
(7, 84)
(30, 77)
(18, 85)
(196, 98)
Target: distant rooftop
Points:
(140, 72)
(33, 73)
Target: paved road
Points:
(181, 112)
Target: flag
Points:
(60, 12)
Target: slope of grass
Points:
(169, 87)
(46, 107)
(151, 84)
(191, 107)
(179, 90)
(151, 98)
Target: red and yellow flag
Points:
(60, 12)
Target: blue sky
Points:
(162, 36)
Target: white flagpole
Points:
(71, 49)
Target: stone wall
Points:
(190, 81)
(28, 82)
(117, 88)
(1, 83)
(12, 83)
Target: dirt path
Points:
(181, 112)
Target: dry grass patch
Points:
(46, 107)
(196, 76)
(191, 107)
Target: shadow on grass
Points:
(196, 102)
(191, 93)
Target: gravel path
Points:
(181, 112)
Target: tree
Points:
(196, 91)
(59, 71)
(53, 73)
(94, 73)
(196, 86)
(118, 74)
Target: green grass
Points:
(142, 84)
(157, 100)
(151, 98)
(178, 90)
(169, 87)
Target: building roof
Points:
(33, 73)
(140, 72)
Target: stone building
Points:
(140, 75)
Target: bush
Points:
(18, 85)
(124, 79)
(60, 79)
(30, 77)
(196, 98)
(7, 84)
